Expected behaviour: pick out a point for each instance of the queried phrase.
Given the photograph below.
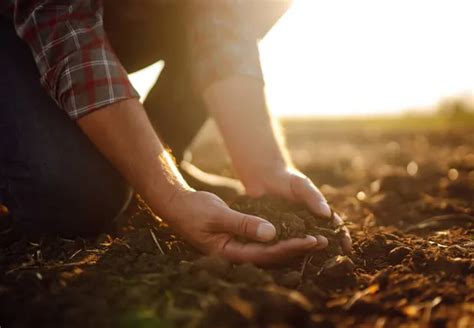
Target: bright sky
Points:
(346, 57)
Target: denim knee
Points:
(49, 202)
(52, 178)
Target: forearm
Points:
(257, 148)
(124, 135)
(250, 133)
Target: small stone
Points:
(4, 210)
(250, 274)
(397, 254)
(203, 280)
(212, 264)
(184, 267)
(291, 279)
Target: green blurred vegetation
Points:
(456, 112)
(143, 319)
(456, 108)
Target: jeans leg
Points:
(53, 178)
(143, 32)
(176, 113)
(174, 108)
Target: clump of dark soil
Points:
(292, 220)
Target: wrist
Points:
(165, 205)
(263, 182)
(163, 185)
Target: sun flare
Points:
(366, 57)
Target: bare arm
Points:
(123, 133)
(256, 146)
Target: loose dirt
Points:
(412, 263)
(292, 220)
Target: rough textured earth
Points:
(407, 193)
(291, 220)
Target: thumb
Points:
(245, 225)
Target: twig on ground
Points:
(372, 289)
(50, 267)
(307, 259)
(75, 253)
(156, 242)
(426, 317)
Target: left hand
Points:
(294, 186)
(256, 148)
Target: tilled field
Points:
(408, 198)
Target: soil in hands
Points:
(292, 220)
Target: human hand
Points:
(205, 221)
(256, 147)
(294, 186)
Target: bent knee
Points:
(68, 204)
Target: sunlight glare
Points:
(144, 79)
(343, 57)
(365, 57)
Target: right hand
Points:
(205, 221)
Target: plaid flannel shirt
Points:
(79, 69)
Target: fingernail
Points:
(312, 241)
(266, 231)
(346, 245)
(325, 209)
(322, 241)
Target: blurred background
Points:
(345, 58)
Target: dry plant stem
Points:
(306, 260)
(51, 267)
(155, 240)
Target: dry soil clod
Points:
(337, 266)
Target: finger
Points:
(346, 241)
(264, 254)
(304, 190)
(322, 242)
(248, 226)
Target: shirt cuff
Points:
(87, 80)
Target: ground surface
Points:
(408, 194)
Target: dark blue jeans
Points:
(52, 179)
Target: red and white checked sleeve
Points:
(77, 65)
